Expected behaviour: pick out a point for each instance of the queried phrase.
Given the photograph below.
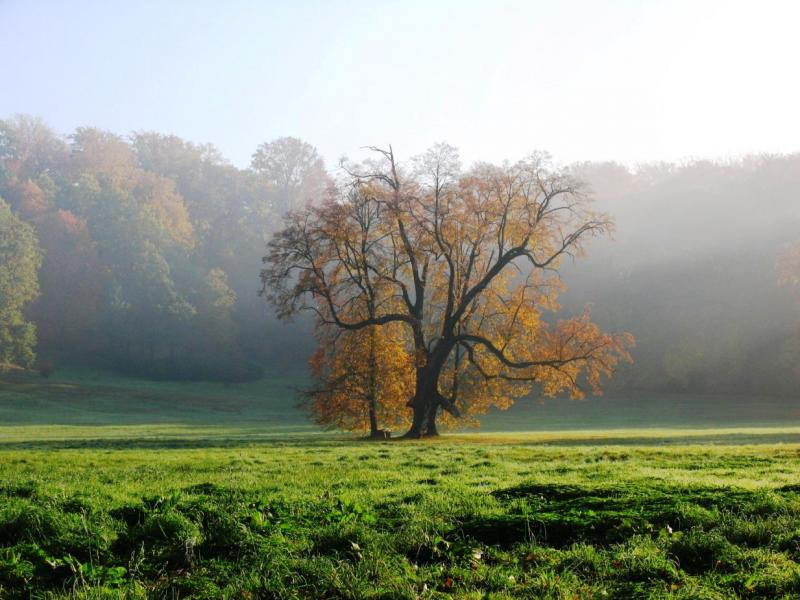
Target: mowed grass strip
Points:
(508, 516)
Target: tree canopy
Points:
(20, 258)
(466, 261)
(151, 250)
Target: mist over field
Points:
(693, 271)
(151, 248)
(407, 300)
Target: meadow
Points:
(113, 488)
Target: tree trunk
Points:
(373, 391)
(418, 420)
(425, 405)
(373, 419)
(430, 426)
(423, 423)
(427, 398)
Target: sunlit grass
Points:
(513, 515)
(203, 505)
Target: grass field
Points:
(117, 488)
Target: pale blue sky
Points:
(626, 80)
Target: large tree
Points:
(20, 259)
(467, 261)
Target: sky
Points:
(623, 80)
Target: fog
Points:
(152, 247)
(399, 299)
(149, 153)
(692, 272)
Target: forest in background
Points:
(151, 246)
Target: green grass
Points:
(189, 499)
(76, 397)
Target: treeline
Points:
(142, 254)
(691, 272)
(150, 248)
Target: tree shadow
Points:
(174, 443)
(687, 439)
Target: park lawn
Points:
(470, 516)
(121, 490)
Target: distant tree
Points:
(103, 165)
(20, 259)
(201, 176)
(294, 168)
(73, 283)
(143, 236)
(362, 379)
(28, 148)
(150, 244)
(230, 209)
(466, 262)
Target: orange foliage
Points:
(457, 268)
(27, 198)
(568, 357)
(102, 157)
(358, 371)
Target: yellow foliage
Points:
(356, 370)
(454, 273)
